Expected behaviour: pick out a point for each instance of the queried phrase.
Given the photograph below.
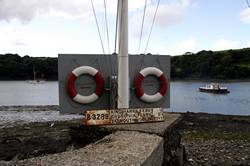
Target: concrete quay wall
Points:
(71, 143)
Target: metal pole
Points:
(123, 61)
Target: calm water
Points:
(24, 93)
(184, 96)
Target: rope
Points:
(114, 86)
(121, 23)
(151, 28)
(143, 18)
(106, 22)
(98, 28)
(116, 25)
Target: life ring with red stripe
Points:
(138, 85)
(71, 84)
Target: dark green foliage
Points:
(14, 67)
(229, 64)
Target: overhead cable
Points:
(152, 25)
(142, 24)
(93, 8)
(106, 22)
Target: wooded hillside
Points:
(14, 67)
(229, 64)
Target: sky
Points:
(46, 28)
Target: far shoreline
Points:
(210, 80)
(171, 79)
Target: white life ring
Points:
(138, 84)
(71, 84)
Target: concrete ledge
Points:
(158, 128)
(120, 148)
(173, 151)
(128, 144)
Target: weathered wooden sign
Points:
(123, 116)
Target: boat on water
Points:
(35, 80)
(214, 88)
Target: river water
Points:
(184, 96)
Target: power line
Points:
(152, 26)
(106, 22)
(93, 8)
(142, 24)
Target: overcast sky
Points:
(48, 27)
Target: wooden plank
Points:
(123, 116)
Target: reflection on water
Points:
(184, 96)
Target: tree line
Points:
(15, 67)
(228, 64)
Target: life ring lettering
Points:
(71, 84)
(138, 85)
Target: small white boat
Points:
(36, 81)
(214, 88)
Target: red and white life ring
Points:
(138, 84)
(71, 84)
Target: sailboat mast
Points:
(34, 73)
(123, 59)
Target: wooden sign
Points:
(123, 116)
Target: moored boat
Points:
(214, 88)
(35, 80)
